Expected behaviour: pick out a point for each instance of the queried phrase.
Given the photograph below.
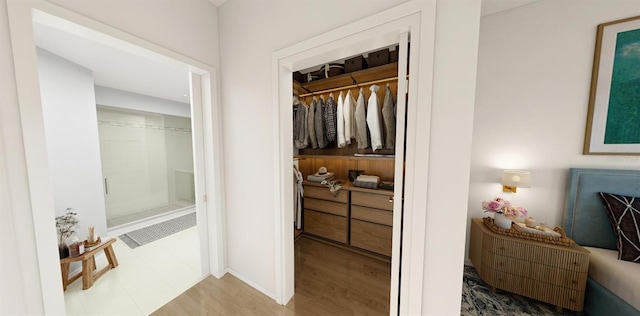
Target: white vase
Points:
(501, 221)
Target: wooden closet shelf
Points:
(388, 72)
(302, 157)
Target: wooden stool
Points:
(88, 265)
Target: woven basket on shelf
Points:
(563, 240)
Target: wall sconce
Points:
(512, 179)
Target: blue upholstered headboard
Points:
(585, 219)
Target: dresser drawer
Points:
(373, 237)
(336, 208)
(557, 295)
(559, 258)
(503, 247)
(324, 194)
(326, 225)
(566, 278)
(380, 201)
(505, 281)
(373, 215)
(506, 264)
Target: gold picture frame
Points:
(613, 111)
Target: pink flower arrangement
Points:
(500, 205)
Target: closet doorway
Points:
(348, 211)
(205, 111)
(342, 43)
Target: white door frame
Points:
(379, 30)
(207, 133)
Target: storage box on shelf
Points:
(378, 58)
(354, 64)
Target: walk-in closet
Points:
(345, 140)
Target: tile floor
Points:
(147, 277)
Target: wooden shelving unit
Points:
(360, 77)
(353, 81)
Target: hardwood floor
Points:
(329, 281)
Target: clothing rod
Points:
(348, 87)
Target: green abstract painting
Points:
(623, 115)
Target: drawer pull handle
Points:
(391, 199)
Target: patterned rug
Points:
(151, 233)
(477, 299)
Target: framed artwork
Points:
(613, 122)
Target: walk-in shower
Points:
(147, 164)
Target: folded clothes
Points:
(368, 185)
(314, 178)
(366, 178)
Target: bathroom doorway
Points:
(203, 83)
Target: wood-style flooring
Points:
(328, 280)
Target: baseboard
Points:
(252, 284)
(467, 262)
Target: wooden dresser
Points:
(550, 273)
(360, 219)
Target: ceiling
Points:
(115, 68)
(495, 6)
(218, 3)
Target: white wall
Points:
(454, 81)
(534, 72)
(257, 29)
(186, 27)
(71, 127)
(140, 102)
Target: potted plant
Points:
(65, 226)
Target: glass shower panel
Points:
(141, 154)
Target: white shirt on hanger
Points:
(340, 121)
(374, 121)
(349, 110)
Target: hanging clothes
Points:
(340, 122)
(330, 117)
(321, 136)
(361, 122)
(374, 121)
(307, 139)
(300, 133)
(311, 124)
(298, 196)
(389, 119)
(349, 112)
